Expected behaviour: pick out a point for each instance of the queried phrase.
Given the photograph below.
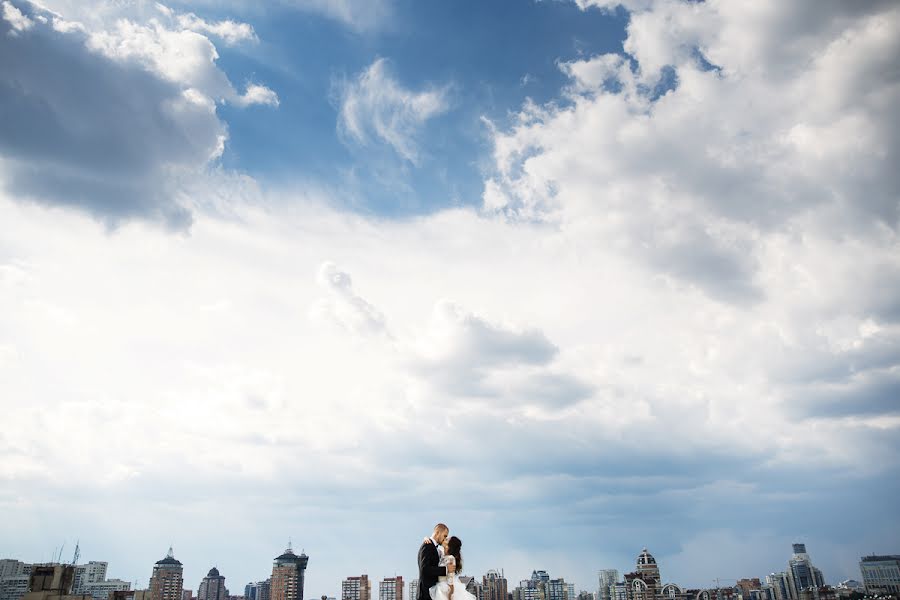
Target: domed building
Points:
(213, 587)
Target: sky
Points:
(576, 277)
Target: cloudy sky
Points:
(574, 276)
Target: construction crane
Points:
(77, 553)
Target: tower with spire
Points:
(167, 580)
(288, 575)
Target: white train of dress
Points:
(441, 590)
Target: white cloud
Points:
(229, 31)
(15, 18)
(375, 107)
(119, 114)
(257, 94)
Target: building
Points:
(288, 576)
(212, 587)
(472, 586)
(92, 572)
(645, 582)
(747, 586)
(585, 595)
(414, 589)
(881, 573)
(390, 588)
(802, 575)
(493, 586)
(356, 588)
(557, 589)
(258, 590)
(101, 590)
(606, 579)
(187, 594)
(52, 582)
(14, 578)
(167, 580)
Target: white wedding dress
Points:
(441, 590)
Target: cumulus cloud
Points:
(376, 108)
(692, 177)
(110, 120)
(229, 31)
(15, 18)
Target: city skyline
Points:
(375, 582)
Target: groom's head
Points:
(440, 533)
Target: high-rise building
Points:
(778, 582)
(167, 581)
(212, 587)
(606, 578)
(802, 575)
(356, 588)
(14, 576)
(414, 589)
(288, 576)
(570, 591)
(92, 572)
(881, 573)
(391, 588)
(187, 594)
(493, 586)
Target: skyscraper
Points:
(414, 589)
(288, 575)
(391, 588)
(606, 578)
(212, 587)
(802, 575)
(356, 588)
(493, 586)
(167, 580)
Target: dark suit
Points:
(429, 571)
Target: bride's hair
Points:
(454, 544)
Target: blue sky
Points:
(489, 56)
(575, 277)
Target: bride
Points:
(449, 587)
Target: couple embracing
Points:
(439, 562)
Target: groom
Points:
(429, 571)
